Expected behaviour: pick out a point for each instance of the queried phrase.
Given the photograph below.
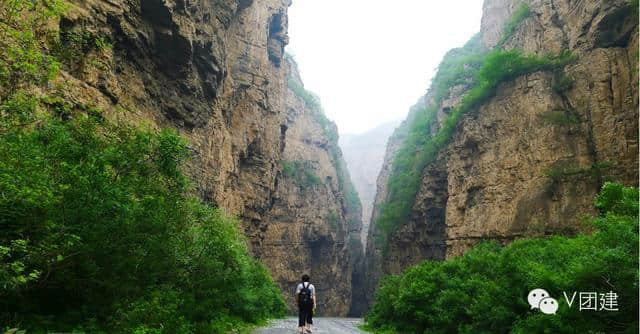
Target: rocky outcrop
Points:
(204, 68)
(215, 72)
(364, 154)
(311, 228)
(528, 161)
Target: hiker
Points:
(306, 298)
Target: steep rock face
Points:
(364, 154)
(205, 68)
(215, 71)
(508, 171)
(310, 225)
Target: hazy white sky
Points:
(370, 60)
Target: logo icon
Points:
(548, 305)
(540, 299)
(535, 296)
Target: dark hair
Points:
(305, 278)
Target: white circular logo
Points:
(535, 296)
(548, 305)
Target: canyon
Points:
(513, 168)
(216, 72)
(263, 151)
(364, 154)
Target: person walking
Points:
(306, 298)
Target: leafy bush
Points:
(421, 146)
(99, 231)
(485, 290)
(93, 214)
(72, 46)
(25, 32)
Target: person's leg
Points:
(309, 319)
(302, 316)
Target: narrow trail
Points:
(320, 326)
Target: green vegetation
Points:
(563, 171)
(73, 46)
(518, 16)
(24, 33)
(482, 75)
(457, 68)
(485, 290)
(565, 118)
(333, 219)
(99, 231)
(561, 82)
(301, 172)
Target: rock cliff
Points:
(364, 154)
(215, 71)
(529, 160)
(311, 226)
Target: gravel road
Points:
(320, 326)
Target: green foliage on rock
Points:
(25, 34)
(301, 173)
(312, 102)
(96, 219)
(562, 82)
(564, 118)
(333, 219)
(72, 46)
(482, 76)
(485, 290)
(564, 170)
(516, 19)
(99, 231)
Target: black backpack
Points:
(304, 297)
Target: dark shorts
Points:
(305, 315)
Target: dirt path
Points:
(320, 326)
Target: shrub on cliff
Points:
(485, 290)
(98, 227)
(522, 12)
(482, 76)
(301, 172)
